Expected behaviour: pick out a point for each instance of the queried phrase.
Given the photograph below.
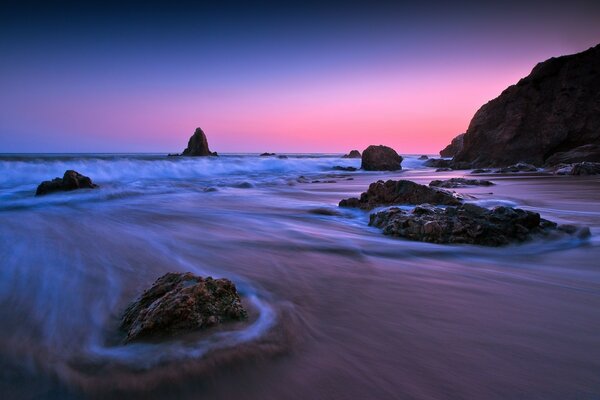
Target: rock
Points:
(556, 109)
(450, 164)
(198, 145)
(340, 168)
(443, 169)
(518, 167)
(71, 180)
(481, 171)
(353, 154)
(282, 157)
(587, 153)
(583, 168)
(423, 157)
(381, 158)
(392, 192)
(469, 224)
(454, 147)
(460, 182)
(182, 302)
(267, 154)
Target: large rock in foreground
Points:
(182, 302)
(454, 147)
(555, 109)
(381, 158)
(469, 224)
(392, 192)
(71, 180)
(198, 145)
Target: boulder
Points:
(587, 153)
(518, 167)
(71, 180)
(469, 224)
(381, 158)
(555, 109)
(454, 147)
(353, 154)
(392, 192)
(583, 168)
(182, 302)
(198, 145)
(460, 182)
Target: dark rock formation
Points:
(353, 154)
(583, 168)
(198, 145)
(469, 224)
(518, 167)
(382, 193)
(443, 169)
(380, 158)
(340, 168)
(423, 157)
(282, 157)
(441, 163)
(555, 109)
(481, 171)
(181, 302)
(589, 153)
(454, 147)
(460, 182)
(71, 180)
(267, 154)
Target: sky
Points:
(140, 76)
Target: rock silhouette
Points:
(198, 145)
(381, 158)
(71, 180)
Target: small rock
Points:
(267, 154)
(353, 154)
(340, 168)
(460, 182)
(518, 167)
(71, 180)
(423, 157)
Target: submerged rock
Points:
(518, 167)
(182, 302)
(454, 147)
(352, 154)
(555, 109)
(460, 182)
(583, 168)
(423, 157)
(71, 180)
(198, 145)
(392, 192)
(340, 168)
(469, 224)
(381, 158)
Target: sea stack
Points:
(552, 115)
(380, 158)
(198, 145)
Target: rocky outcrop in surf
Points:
(182, 302)
(454, 147)
(198, 145)
(71, 180)
(381, 158)
(453, 183)
(547, 115)
(470, 224)
(352, 154)
(392, 192)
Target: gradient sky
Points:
(300, 77)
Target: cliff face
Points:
(454, 147)
(553, 110)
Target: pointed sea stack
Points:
(198, 145)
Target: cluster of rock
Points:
(71, 180)
(469, 224)
(550, 117)
(392, 192)
(457, 222)
(518, 167)
(453, 183)
(182, 302)
(582, 168)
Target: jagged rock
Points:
(583, 168)
(392, 192)
(460, 182)
(454, 147)
(198, 145)
(353, 154)
(381, 158)
(340, 168)
(71, 180)
(518, 167)
(587, 153)
(182, 302)
(423, 157)
(556, 109)
(469, 224)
